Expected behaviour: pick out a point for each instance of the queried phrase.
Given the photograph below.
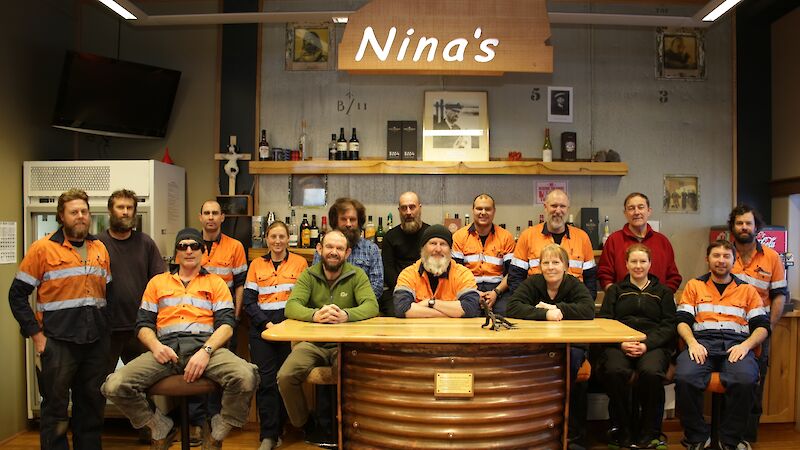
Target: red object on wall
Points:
(166, 159)
(772, 236)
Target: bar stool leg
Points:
(184, 423)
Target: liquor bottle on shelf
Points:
(606, 232)
(570, 221)
(547, 148)
(353, 147)
(530, 223)
(323, 230)
(341, 146)
(263, 147)
(301, 144)
(466, 220)
(292, 230)
(389, 222)
(305, 233)
(314, 231)
(503, 226)
(518, 232)
(541, 218)
(379, 234)
(332, 148)
(369, 229)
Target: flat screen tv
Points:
(100, 95)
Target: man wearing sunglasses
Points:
(184, 321)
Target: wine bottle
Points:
(466, 220)
(379, 234)
(332, 147)
(263, 147)
(323, 230)
(341, 146)
(353, 147)
(606, 232)
(369, 229)
(547, 148)
(305, 233)
(389, 222)
(530, 223)
(301, 144)
(518, 232)
(541, 218)
(314, 231)
(292, 230)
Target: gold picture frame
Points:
(681, 54)
(310, 46)
(681, 194)
(455, 126)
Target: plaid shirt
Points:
(366, 256)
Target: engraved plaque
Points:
(453, 384)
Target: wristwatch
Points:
(496, 292)
(209, 349)
(431, 303)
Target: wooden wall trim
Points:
(784, 187)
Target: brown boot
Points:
(163, 444)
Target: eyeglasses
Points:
(182, 247)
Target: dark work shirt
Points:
(557, 237)
(720, 286)
(400, 250)
(133, 262)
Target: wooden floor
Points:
(120, 436)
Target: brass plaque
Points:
(453, 384)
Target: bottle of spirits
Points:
(530, 223)
(547, 148)
(466, 220)
(503, 226)
(518, 232)
(379, 234)
(305, 233)
(341, 146)
(314, 231)
(353, 147)
(541, 218)
(323, 230)
(369, 229)
(292, 230)
(301, 144)
(263, 147)
(389, 222)
(606, 232)
(332, 148)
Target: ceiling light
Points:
(339, 19)
(118, 9)
(721, 9)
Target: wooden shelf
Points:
(375, 167)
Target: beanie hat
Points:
(437, 231)
(190, 234)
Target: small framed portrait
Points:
(544, 187)
(455, 126)
(559, 104)
(681, 54)
(681, 194)
(310, 46)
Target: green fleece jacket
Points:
(351, 292)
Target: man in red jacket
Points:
(612, 262)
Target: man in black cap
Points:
(185, 319)
(435, 286)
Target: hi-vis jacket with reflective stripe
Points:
(488, 262)
(267, 289)
(738, 310)
(71, 292)
(173, 310)
(226, 258)
(765, 273)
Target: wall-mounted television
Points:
(106, 96)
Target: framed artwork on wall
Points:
(310, 46)
(680, 54)
(681, 193)
(455, 126)
(559, 104)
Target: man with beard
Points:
(348, 215)
(435, 286)
(486, 249)
(401, 246)
(135, 255)
(761, 267)
(70, 271)
(332, 291)
(554, 229)
(721, 319)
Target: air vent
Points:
(88, 178)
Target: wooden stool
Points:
(176, 386)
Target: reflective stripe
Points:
(272, 306)
(219, 306)
(519, 263)
(686, 308)
(493, 279)
(186, 300)
(252, 285)
(472, 258)
(493, 260)
(27, 279)
(75, 271)
(574, 264)
(189, 327)
(767, 309)
(219, 270)
(480, 257)
(240, 269)
(267, 290)
(508, 257)
(149, 306)
(702, 326)
(466, 291)
(779, 284)
(756, 312)
(229, 284)
(405, 289)
(761, 284)
(456, 254)
(73, 303)
(721, 309)
(589, 264)
(533, 262)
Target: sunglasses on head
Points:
(182, 246)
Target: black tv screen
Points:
(100, 95)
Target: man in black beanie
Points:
(435, 286)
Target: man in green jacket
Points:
(330, 292)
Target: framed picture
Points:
(681, 54)
(310, 46)
(559, 104)
(544, 187)
(681, 193)
(455, 126)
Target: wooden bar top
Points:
(454, 331)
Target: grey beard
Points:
(436, 266)
(411, 227)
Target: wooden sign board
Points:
(448, 37)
